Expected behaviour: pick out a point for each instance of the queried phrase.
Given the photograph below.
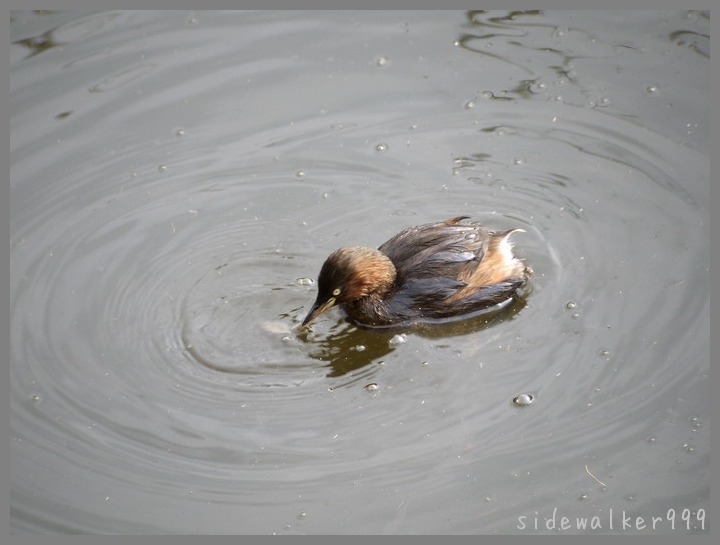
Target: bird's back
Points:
(446, 249)
(451, 268)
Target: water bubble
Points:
(604, 353)
(162, 168)
(652, 89)
(192, 20)
(518, 161)
(359, 348)
(583, 496)
(630, 497)
(690, 449)
(381, 61)
(300, 174)
(486, 94)
(304, 281)
(652, 439)
(470, 104)
(603, 101)
(575, 315)
(179, 132)
(523, 400)
(301, 515)
(570, 305)
(371, 387)
(36, 398)
(381, 147)
(398, 339)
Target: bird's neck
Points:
(373, 275)
(371, 310)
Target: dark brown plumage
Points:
(426, 272)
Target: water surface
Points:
(176, 178)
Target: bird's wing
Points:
(448, 249)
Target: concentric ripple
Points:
(177, 179)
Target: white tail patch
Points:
(505, 246)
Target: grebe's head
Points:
(349, 274)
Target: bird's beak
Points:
(317, 309)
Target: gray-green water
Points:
(175, 174)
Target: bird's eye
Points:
(336, 292)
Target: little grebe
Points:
(430, 271)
